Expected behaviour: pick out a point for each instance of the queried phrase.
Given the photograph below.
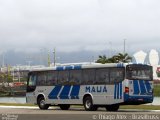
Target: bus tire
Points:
(64, 106)
(88, 104)
(41, 104)
(112, 107)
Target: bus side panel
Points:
(105, 94)
(73, 94)
(68, 94)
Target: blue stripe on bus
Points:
(68, 67)
(65, 92)
(53, 94)
(59, 68)
(115, 90)
(75, 92)
(121, 90)
(136, 87)
(148, 86)
(142, 87)
(77, 67)
(118, 91)
(120, 65)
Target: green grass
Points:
(143, 107)
(15, 104)
(157, 90)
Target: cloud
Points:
(79, 25)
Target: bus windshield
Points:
(140, 72)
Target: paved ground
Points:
(54, 113)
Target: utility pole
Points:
(54, 55)
(124, 50)
(3, 59)
(49, 61)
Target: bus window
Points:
(88, 76)
(139, 72)
(63, 77)
(51, 78)
(102, 76)
(32, 80)
(116, 75)
(41, 79)
(31, 85)
(75, 77)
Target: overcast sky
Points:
(75, 25)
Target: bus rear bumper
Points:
(136, 100)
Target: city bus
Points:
(92, 85)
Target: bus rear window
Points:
(139, 72)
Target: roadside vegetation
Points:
(141, 107)
(156, 90)
(16, 104)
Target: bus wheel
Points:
(88, 104)
(41, 103)
(64, 107)
(112, 107)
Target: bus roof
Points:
(78, 66)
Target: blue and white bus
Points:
(91, 85)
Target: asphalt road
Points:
(75, 114)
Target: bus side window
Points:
(102, 76)
(116, 75)
(88, 76)
(51, 78)
(63, 77)
(41, 79)
(75, 77)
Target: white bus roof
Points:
(78, 66)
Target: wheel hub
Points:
(42, 103)
(88, 104)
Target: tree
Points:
(102, 59)
(114, 59)
(125, 58)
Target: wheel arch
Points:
(41, 95)
(86, 95)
